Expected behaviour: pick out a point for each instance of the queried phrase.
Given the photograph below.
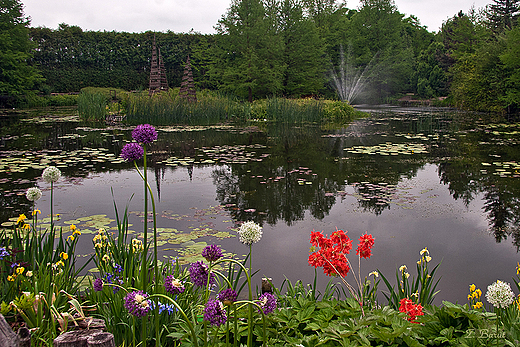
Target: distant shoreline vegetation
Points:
(283, 49)
(165, 108)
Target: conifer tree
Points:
(503, 14)
(248, 59)
(303, 51)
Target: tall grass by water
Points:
(92, 106)
(167, 108)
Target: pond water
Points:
(411, 178)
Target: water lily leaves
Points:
(502, 169)
(181, 238)
(98, 221)
(389, 148)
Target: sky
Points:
(182, 16)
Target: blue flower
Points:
(3, 253)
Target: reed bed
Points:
(92, 106)
(168, 108)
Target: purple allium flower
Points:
(215, 313)
(137, 304)
(173, 285)
(98, 284)
(212, 253)
(268, 302)
(227, 296)
(144, 133)
(199, 274)
(132, 151)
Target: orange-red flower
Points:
(365, 246)
(331, 252)
(412, 310)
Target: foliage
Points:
(168, 108)
(304, 51)
(254, 68)
(502, 14)
(92, 106)
(510, 58)
(17, 75)
(39, 271)
(421, 287)
(33, 100)
(335, 322)
(455, 325)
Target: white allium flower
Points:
(250, 233)
(51, 174)
(33, 194)
(500, 294)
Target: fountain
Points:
(351, 80)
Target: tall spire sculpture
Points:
(158, 81)
(187, 90)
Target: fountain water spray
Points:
(351, 80)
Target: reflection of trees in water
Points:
(284, 199)
(465, 181)
(503, 211)
(297, 153)
(303, 172)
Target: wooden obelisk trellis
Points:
(187, 90)
(158, 79)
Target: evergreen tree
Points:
(17, 76)
(248, 51)
(502, 14)
(304, 51)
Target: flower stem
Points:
(250, 322)
(144, 266)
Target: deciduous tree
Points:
(17, 75)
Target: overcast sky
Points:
(181, 16)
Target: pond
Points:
(412, 178)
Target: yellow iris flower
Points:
(21, 218)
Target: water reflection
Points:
(279, 173)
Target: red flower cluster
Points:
(365, 246)
(411, 309)
(331, 253)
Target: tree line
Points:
(288, 48)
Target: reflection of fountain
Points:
(351, 80)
